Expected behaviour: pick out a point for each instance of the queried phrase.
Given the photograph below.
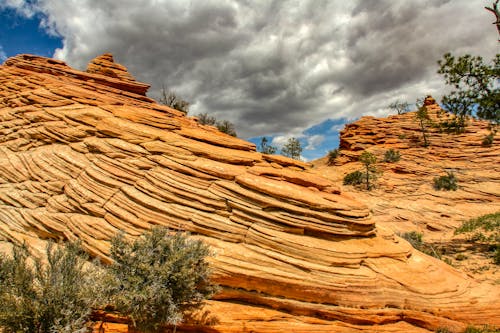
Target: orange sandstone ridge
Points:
(86, 154)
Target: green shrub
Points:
(158, 277)
(332, 155)
(54, 297)
(392, 156)
(488, 140)
(354, 178)
(484, 230)
(416, 240)
(488, 222)
(447, 182)
(443, 330)
(483, 329)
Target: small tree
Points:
(292, 148)
(332, 156)
(423, 119)
(54, 297)
(158, 277)
(400, 107)
(170, 98)
(475, 83)
(225, 126)
(205, 119)
(265, 148)
(368, 160)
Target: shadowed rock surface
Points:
(86, 154)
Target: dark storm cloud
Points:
(274, 66)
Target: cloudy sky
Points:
(276, 68)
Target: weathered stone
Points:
(84, 155)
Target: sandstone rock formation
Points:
(404, 198)
(86, 154)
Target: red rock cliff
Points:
(85, 154)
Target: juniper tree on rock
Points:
(292, 148)
(368, 160)
(265, 148)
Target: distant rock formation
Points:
(86, 154)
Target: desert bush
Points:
(483, 329)
(392, 156)
(416, 240)
(447, 182)
(354, 178)
(158, 277)
(171, 99)
(332, 155)
(488, 140)
(484, 230)
(46, 297)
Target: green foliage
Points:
(205, 119)
(392, 156)
(454, 125)
(416, 240)
(368, 160)
(422, 116)
(475, 84)
(170, 98)
(292, 148)
(447, 182)
(488, 139)
(225, 126)
(443, 330)
(354, 178)
(53, 297)
(484, 329)
(158, 277)
(400, 106)
(265, 148)
(489, 222)
(485, 230)
(332, 155)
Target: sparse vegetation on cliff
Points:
(170, 98)
(392, 156)
(332, 156)
(266, 148)
(447, 182)
(484, 231)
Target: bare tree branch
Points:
(494, 9)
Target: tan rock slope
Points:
(86, 154)
(405, 197)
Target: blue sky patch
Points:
(19, 34)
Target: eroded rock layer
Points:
(86, 154)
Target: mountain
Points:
(84, 155)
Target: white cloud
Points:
(274, 66)
(314, 141)
(3, 56)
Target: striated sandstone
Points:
(404, 199)
(86, 154)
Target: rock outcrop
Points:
(86, 154)
(404, 198)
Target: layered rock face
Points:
(87, 154)
(404, 198)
